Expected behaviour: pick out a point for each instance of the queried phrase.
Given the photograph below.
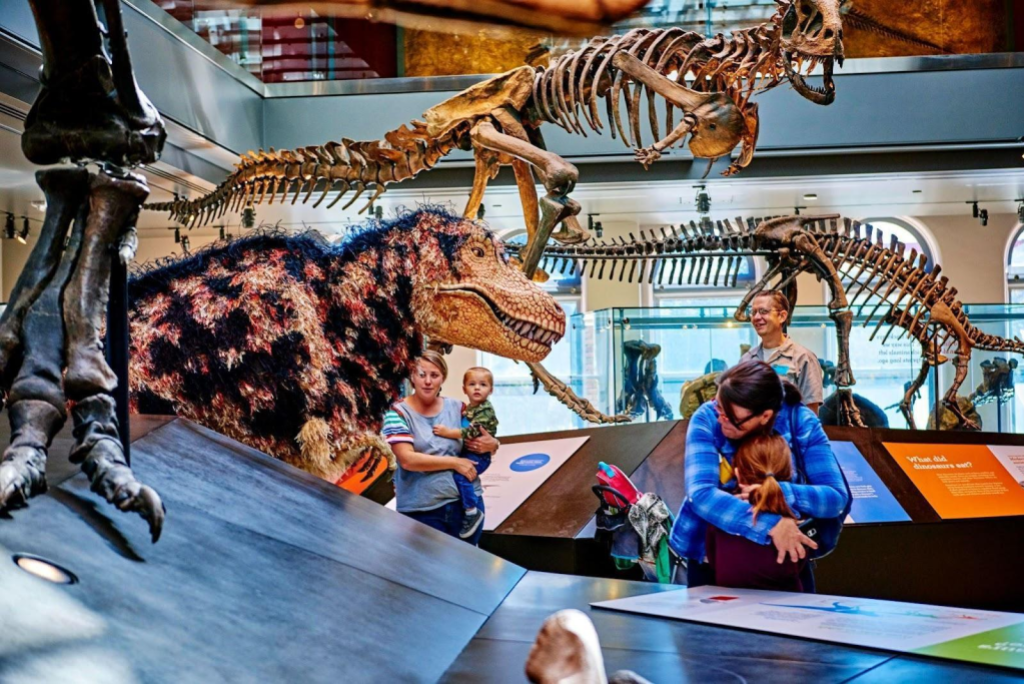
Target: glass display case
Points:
(610, 346)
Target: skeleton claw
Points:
(647, 155)
(22, 476)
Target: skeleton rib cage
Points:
(893, 284)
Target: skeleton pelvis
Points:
(720, 128)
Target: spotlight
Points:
(249, 217)
(23, 235)
(223, 234)
(177, 235)
(796, 210)
(983, 217)
(1020, 210)
(481, 212)
(184, 244)
(44, 569)
(594, 227)
(9, 227)
(38, 205)
(974, 209)
(598, 230)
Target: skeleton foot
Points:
(566, 651)
(23, 470)
(98, 450)
(849, 414)
(648, 155)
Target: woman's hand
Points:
(465, 467)
(483, 443)
(746, 491)
(789, 540)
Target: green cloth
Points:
(480, 416)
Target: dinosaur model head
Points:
(483, 302)
(812, 31)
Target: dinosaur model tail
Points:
(334, 166)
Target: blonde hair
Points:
(435, 358)
(764, 460)
(478, 369)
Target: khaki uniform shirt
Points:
(796, 364)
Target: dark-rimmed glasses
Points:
(722, 413)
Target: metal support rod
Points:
(117, 348)
(935, 375)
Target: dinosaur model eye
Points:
(478, 252)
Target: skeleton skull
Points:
(812, 29)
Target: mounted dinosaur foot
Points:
(580, 406)
(849, 414)
(98, 450)
(23, 469)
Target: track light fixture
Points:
(983, 217)
(594, 227)
(223, 233)
(796, 209)
(9, 226)
(185, 245)
(177, 235)
(249, 217)
(23, 235)
(1020, 210)
(480, 213)
(974, 209)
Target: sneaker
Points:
(471, 523)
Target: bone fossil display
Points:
(89, 109)
(500, 120)
(894, 285)
(297, 347)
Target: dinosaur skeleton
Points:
(848, 255)
(89, 109)
(500, 120)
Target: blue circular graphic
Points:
(525, 464)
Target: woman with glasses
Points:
(769, 314)
(752, 400)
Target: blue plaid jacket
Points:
(710, 501)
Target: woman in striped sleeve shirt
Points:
(424, 487)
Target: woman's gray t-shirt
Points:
(415, 491)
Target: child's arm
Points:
(448, 432)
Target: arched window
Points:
(907, 231)
(1015, 267)
(519, 409)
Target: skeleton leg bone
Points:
(962, 361)
(907, 404)
(580, 406)
(89, 381)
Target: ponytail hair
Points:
(753, 385)
(764, 460)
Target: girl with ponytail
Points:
(760, 464)
(755, 404)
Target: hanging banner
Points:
(963, 480)
(975, 636)
(872, 500)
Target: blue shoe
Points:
(471, 523)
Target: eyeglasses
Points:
(762, 312)
(720, 410)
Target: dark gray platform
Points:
(267, 574)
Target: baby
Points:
(477, 383)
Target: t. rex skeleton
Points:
(898, 283)
(500, 119)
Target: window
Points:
(1015, 268)
(519, 409)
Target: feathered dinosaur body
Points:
(297, 347)
(896, 286)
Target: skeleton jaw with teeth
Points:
(811, 33)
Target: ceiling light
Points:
(810, 196)
(42, 568)
(917, 192)
(23, 235)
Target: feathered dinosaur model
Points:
(887, 279)
(500, 120)
(297, 347)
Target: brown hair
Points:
(753, 385)
(779, 301)
(478, 369)
(435, 358)
(764, 460)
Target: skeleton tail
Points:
(318, 169)
(995, 343)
